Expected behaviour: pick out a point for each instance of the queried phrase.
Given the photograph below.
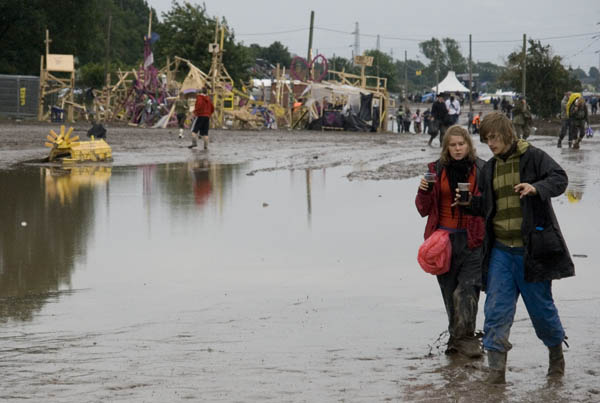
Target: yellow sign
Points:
(22, 94)
(60, 63)
(418, 72)
(363, 60)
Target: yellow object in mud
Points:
(70, 150)
(574, 196)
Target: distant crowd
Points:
(446, 110)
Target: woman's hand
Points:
(423, 185)
(457, 201)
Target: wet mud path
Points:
(276, 266)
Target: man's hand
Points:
(525, 189)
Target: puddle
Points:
(164, 282)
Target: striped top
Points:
(509, 217)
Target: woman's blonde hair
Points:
(457, 130)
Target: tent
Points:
(450, 84)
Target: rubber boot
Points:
(576, 144)
(205, 139)
(194, 141)
(556, 366)
(497, 366)
(559, 144)
(570, 144)
(180, 133)
(469, 346)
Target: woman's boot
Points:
(556, 366)
(497, 366)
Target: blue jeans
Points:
(505, 282)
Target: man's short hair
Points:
(496, 122)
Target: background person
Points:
(564, 120)
(522, 119)
(202, 110)
(439, 113)
(461, 285)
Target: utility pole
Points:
(470, 79)
(310, 37)
(378, 45)
(356, 41)
(405, 74)
(524, 69)
(437, 78)
(107, 61)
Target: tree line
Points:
(81, 28)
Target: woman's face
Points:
(458, 147)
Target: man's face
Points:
(496, 144)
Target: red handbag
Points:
(435, 253)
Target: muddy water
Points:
(205, 282)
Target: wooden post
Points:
(42, 91)
(470, 80)
(310, 37)
(523, 83)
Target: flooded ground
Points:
(276, 266)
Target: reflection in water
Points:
(64, 183)
(208, 183)
(308, 197)
(45, 227)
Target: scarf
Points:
(511, 150)
(457, 171)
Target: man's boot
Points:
(576, 144)
(559, 144)
(194, 141)
(570, 144)
(556, 367)
(497, 366)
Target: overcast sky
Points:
(497, 26)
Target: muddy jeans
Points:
(576, 131)
(461, 286)
(564, 129)
(522, 131)
(506, 280)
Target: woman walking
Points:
(461, 285)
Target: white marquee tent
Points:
(450, 84)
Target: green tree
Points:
(546, 78)
(187, 30)
(444, 55)
(274, 53)
(76, 27)
(338, 63)
(383, 66)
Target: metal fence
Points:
(19, 95)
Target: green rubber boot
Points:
(497, 366)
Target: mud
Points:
(276, 266)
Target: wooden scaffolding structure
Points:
(51, 66)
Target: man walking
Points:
(564, 120)
(578, 117)
(202, 110)
(522, 119)
(439, 113)
(523, 248)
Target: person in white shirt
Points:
(453, 106)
